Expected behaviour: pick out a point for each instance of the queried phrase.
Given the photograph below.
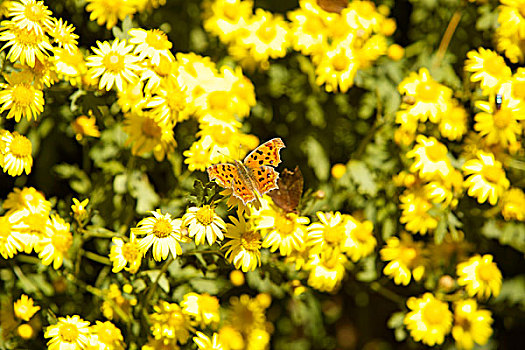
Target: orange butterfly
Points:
(253, 176)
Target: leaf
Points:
(513, 291)
(369, 272)
(202, 285)
(162, 282)
(314, 112)
(141, 189)
(317, 158)
(362, 177)
(78, 179)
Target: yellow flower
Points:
(70, 332)
(85, 126)
(162, 232)
(471, 325)
(25, 331)
(430, 319)
(109, 13)
(243, 248)
(171, 102)
(16, 154)
(331, 234)
(31, 15)
(231, 338)
(132, 97)
(151, 43)
(24, 44)
(513, 205)
(416, 212)
(406, 259)
(62, 34)
(169, 322)
(362, 240)
(308, 31)
(336, 67)
(445, 191)
(453, 124)
(70, 66)
(227, 18)
(338, 170)
(126, 255)
(28, 198)
(55, 245)
(22, 99)
(105, 335)
(510, 44)
(283, 231)
(326, 271)
(431, 159)
(396, 52)
(202, 308)
(480, 276)
(33, 226)
(431, 99)
(369, 51)
(487, 178)
(246, 314)
(488, 67)
(204, 342)
(148, 135)
(24, 308)
(113, 64)
(204, 224)
(511, 17)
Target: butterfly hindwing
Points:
(265, 154)
(288, 195)
(241, 190)
(223, 174)
(266, 178)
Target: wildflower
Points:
(113, 64)
(231, 338)
(62, 34)
(431, 98)
(151, 43)
(55, 245)
(396, 52)
(24, 308)
(24, 44)
(486, 178)
(416, 212)
(453, 123)
(31, 15)
(125, 255)
(25, 331)
(336, 68)
(202, 308)
(480, 276)
(197, 157)
(22, 99)
(70, 332)
(79, 209)
(511, 17)
(131, 98)
(338, 170)
(243, 248)
(471, 325)
(204, 342)
(11, 239)
(28, 198)
(204, 224)
(109, 13)
(488, 67)
(429, 319)
(246, 314)
(148, 135)
(171, 103)
(331, 234)
(362, 240)
(406, 259)
(32, 226)
(227, 18)
(85, 126)
(283, 231)
(169, 322)
(308, 30)
(105, 335)
(16, 154)
(162, 232)
(513, 205)
(430, 158)
(70, 66)
(326, 271)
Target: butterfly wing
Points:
(223, 174)
(241, 191)
(265, 178)
(288, 195)
(265, 154)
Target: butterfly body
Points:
(254, 176)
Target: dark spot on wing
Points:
(261, 162)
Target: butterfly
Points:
(288, 195)
(254, 176)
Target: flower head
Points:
(16, 154)
(125, 255)
(151, 43)
(326, 271)
(203, 309)
(405, 259)
(480, 276)
(169, 322)
(488, 67)
(243, 248)
(204, 224)
(70, 332)
(24, 308)
(471, 324)
(430, 158)
(55, 245)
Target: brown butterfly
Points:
(335, 6)
(290, 189)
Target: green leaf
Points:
(141, 189)
(317, 158)
(362, 177)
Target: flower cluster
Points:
(510, 35)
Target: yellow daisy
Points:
(227, 18)
(202, 308)
(162, 232)
(197, 157)
(362, 240)
(22, 99)
(406, 259)
(488, 67)
(132, 97)
(54, 246)
(171, 102)
(85, 126)
(125, 255)
(70, 332)
(28, 198)
(63, 36)
(331, 234)
(511, 17)
(109, 12)
(429, 320)
(453, 123)
(231, 338)
(471, 324)
(24, 44)
(510, 44)
(24, 308)
(31, 15)
(246, 314)
(204, 224)
(113, 64)
(480, 276)
(105, 335)
(204, 342)
(326, 272)
(169, 322)
(431, 158)
(336, 67)
(513, 202)
(308, 31)
(152, 43)
(486, 178)
(11, 239)
(16, 154)
(415, 212)
(70, 66)
(34, 229)
(243, 248)
(148, 135)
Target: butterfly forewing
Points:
(266, 178)
(265, 154)
(224, 174)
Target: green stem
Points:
(98, 258)
(153, 287)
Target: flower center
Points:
(114, 62)
(433, 312)
(163, 68)
(158, 40)
(502, 118)
(69, 332)
(251, 241)
(176, 101)
(494, 65)
(221, 136)
(486, 271)
(518, 88)
(205, 215)
(21, 147)
(162, 228)
(426, 91)
(335, 234)
(361, 233)
(284, 225)
(62, 240)
(340, 61)
(34, 12)
(231, 12)
(365, 9)
(492, 173)
(151, 129)
(408, 255)
(218, 100)
(266, 33)
(130, 251)
(22, 95)
(437, 152)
